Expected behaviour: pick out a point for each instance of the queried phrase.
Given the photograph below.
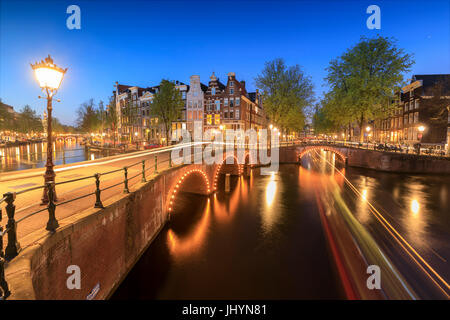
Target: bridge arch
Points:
(204, 188)
(308, 149)
(219, 168)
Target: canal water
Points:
(264, 239)
(34, 155)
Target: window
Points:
(209, 119)
(231, 84)
(231, 115)
(225, 102)
(183, 95)
(417, 104)
(416, 117)
(411, 118)
(231, 102)
(213, 91)
(238, 101)
(217, 105)
(217, 118)
(231, 91)
(225, 115)
(406, 107)
(237, 114)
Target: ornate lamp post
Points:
(49, 77)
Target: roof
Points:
(7, 106)
(252, 96)
(204, 87)
(429, 80)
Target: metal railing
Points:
(424, 152)
(13, 246)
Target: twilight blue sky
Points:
(139, 42)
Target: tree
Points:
(6, 118)
(112, 119)
(322, 120)
(167, 105)
(28, 121)
(364, 79)
(286, 92)
(88, 117)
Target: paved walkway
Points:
(29, 202)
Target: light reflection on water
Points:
(243, 244)
(34, 155)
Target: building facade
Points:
(413, 112)
(135, 119)
(195, 104)
(230, 106)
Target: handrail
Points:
(13, 246)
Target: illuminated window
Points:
(209, 119)
(217, 118)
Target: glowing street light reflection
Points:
(271, 188)
(415, 207)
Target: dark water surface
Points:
(264, 239)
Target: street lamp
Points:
(49, 77)
(368, 130)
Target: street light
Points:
(49, 77)
(421, 128)
(368, 130)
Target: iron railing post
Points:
(2, 255)
(156, 164)
(125, 181)
(170, 159)
(13, 246)
(4, 290)
(98, 201)
(143, 171)
(52, 223)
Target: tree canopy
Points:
(364, 79)
(287, 92)
(28, 121)
(167, 105)
(88, 117)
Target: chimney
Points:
(243, 84)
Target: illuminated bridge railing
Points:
(145, 167)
